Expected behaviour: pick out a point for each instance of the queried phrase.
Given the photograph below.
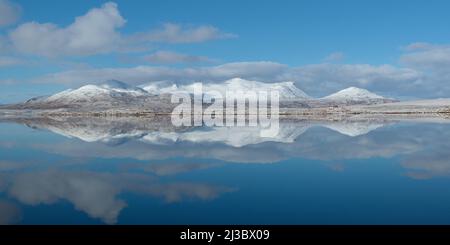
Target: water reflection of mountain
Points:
(422, 149)
(329, 140)
(159, 130)
(156, 138)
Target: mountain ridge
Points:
(353, 93)
(116, 94)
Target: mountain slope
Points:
(155, 97)
(116, 95)
(110, 89)
(287, 90)
(111, 95)
(356, 95)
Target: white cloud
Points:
(333, 57)
(433, 61)
(322, 79)
(6, 61)
(9, 81)
(176, 33)
(252, 70)
(92, 33)
(98, 32)
(417, 46)
(427, 56)
(169, 57)
(9, 12)
(4, 45)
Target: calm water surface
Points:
(103, 171)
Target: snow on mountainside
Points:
(109, 96)
(287, 90)
(115, 90)
(353, 94)
(155, 96)
(111, 88)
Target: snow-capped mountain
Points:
(155, 96)
(353, 93)
(356, 95)
(110, 95)
(287, 90)
(109, 89)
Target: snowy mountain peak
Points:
(355, 94)
(80, 93)
(90, 91)
(287, 90)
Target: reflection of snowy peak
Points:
(95, 135)
(242, 136)
(353, 129)
(287, 90)
(232, 136)
(160, 131)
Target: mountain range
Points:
(287, 90)
(116, 95)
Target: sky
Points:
(397, 49)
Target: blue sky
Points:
(395, 48)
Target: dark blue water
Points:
(394, 173)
